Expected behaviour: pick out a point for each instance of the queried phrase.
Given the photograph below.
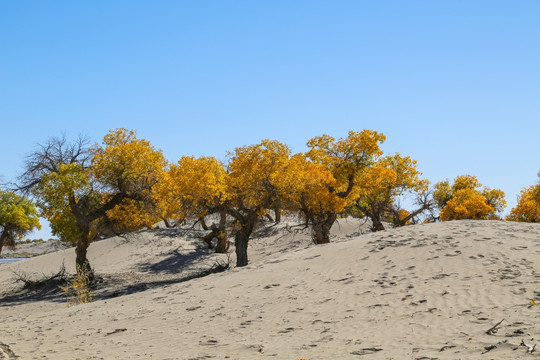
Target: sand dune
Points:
(418, 292)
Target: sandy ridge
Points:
(419, 292)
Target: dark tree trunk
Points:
(277, 214)
(168, 223)
(375, 213)
(2, 240)
(222, 246)
(208, 237)
(219, 232)
(83, 265)
(321, 228)
(203, 223)
(377, 224)
(241, 238)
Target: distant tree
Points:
(18, 217)
(528, 205)
(79, 188)
(465, 200)
(381, 186)
(536, 192)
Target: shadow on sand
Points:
(172, 270)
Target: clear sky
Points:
(453, 84)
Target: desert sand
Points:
(428, 291)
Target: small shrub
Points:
(78, 290)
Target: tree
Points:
(85, 192)
(128, 168)
(321, 183)
(528, 205)
(252, 188)
(464, 200)
(310, 189)
(527, 208)
(18, 216)
(194, 188)
(381, 186)
(346, 159)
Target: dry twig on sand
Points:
(494, 328)
(45, 280)
(491, 347)
(447, 347)
(530, 348)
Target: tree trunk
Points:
(241, 240)
(168, 223)
(203, 223)
(7, 239)
(321, 228)
(277, 214)
(82, 263)
(377, 224)
(2, 239)
(222, 246)
(209, 237)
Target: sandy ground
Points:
(419, 292)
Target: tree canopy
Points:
(85, 192)
(253, 179)
(528, 205)
(126, 184)
(18, 216)
(345, 159)
(381, 186)
(465, 200)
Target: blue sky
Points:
(453, 84)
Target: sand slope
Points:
(419, 292)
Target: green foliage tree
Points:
(18, 217)
(84, 192)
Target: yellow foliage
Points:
(346, 157)
(126, 163)
(254, 173)
(527, 208)
(466, 204)
(462, 200)
(18, 216)
(465, 182)
(59, 193)
(132, 167)
(381, 185)
(307, 186)
(191, 187)
(403, 214)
